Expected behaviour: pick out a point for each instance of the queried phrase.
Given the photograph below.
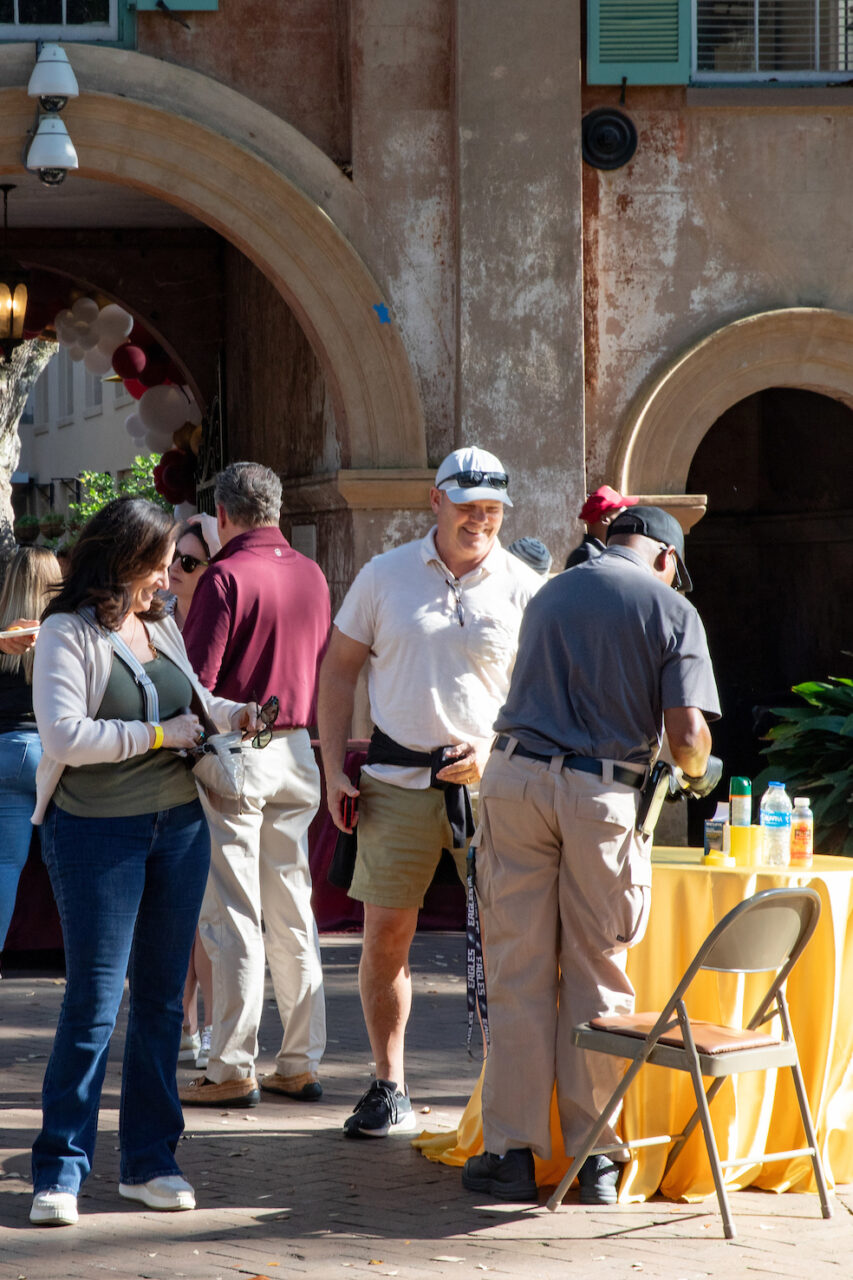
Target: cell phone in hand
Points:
(349, 809)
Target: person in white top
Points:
(437, 622)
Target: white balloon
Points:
(114, 320)
(154, 443)
(193, 413)
(134, 426)
(163, 408)
(63, 319)
(109, 345)
(96, 362)
(66, 332)
(85, 309)
(89, 339)
(76, 353)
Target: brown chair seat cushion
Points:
(710, 1037)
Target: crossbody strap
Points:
(146, 685)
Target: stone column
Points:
(520, 328)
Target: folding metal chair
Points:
(766, 933)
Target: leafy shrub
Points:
(811, 750)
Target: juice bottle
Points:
(802, 833)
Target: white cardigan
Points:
(70, 674)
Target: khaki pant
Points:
(563, 882)
(259, 868)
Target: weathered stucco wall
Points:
(724, 211)
(520, 272)
(290, 57)
(404, 165)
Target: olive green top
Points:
(146, 783)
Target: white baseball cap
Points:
(473, 475)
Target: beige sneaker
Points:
(231, 1093)
(190, 1045)
(302, 1088)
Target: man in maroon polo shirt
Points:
(259, 622)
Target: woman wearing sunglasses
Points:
(198, 541)
(127, 848)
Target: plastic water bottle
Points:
(802, 832)
(775, 817)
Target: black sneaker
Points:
(509, 1177)
(380, 1111)
(599, 1180)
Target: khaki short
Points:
(401, 833)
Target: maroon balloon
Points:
(134, 388)
(139, 336)
(155, 369)
(129, 361)
(174, 476)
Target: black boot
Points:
(508, 1177)
(599, 1180)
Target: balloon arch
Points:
(107, 339)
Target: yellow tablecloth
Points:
(750, 1110)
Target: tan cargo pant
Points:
(564, 884)
(259, 870)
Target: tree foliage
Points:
(100, 488)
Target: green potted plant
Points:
(26, 528)
(52, 524)
(811, 751)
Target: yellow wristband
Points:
(158, 737)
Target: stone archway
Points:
(245, 173)
(804, 347)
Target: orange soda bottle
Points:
(802, 833)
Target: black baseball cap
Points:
(660, 526)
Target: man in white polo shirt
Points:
(437, 621)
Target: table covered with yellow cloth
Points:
(752, 1110)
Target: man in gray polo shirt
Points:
(609, 655)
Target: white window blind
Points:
(93, 393)
(773, 39)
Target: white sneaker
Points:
(169, 1193)
(54, 1209)
(203, 1055)
(190, 1045)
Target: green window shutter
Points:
(644, 41)
(178, 6)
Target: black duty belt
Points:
(586, 764)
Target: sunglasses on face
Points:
(678, 581)
(189, 564)
(267, 715)
(473, 479)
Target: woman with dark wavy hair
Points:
(127, 848)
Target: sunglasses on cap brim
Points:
(473, 479)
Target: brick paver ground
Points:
(282, 1194)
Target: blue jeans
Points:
(128, 892)
(20, 753)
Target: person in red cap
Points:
(597, 513)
